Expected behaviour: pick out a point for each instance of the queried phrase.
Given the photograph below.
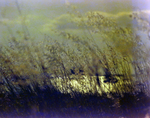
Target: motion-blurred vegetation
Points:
(77, 65)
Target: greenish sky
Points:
(40, 16)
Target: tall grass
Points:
(32, 73)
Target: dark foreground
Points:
(50, 103)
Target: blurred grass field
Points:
(76, 71)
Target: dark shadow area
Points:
(48, 102)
